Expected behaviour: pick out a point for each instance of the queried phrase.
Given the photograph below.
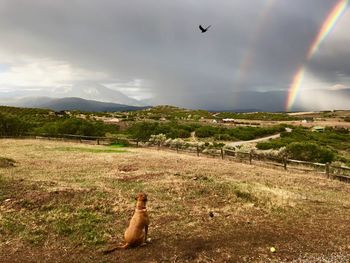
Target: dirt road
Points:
(253, 141)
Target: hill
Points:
(73, 103)
(89, 91)
(64, 202)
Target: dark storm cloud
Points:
(332, 63)
(159, 41)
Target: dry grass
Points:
(62, 202)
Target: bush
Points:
(310, 152)
(206, 131)
(158, 139)
(76, 127)
(273, 144)
(223, 137)
(12, 126)
(143, 130)
(178, 133)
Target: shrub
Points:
(76, 127)
(177, 133)
(143, 130)
(12, 126)
(158, 139)
(272, 144)
(271, 154)
(310, 152)
(223, 137)
(205, 131)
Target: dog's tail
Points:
(110, 250)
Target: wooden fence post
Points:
(285, 162)
(250, 157)
(327, 169)
(177, 148)
(98, 141)
(137, 143)
(222, 153)
(197, 150)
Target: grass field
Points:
(64, 202)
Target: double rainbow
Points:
(248, 56)
(327, 26)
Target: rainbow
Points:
(248, 56)
(327, 26)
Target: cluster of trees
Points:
(264, 116)
(306, 145)
(144, 130)
(29, 121)
(239, 133)
(331, 137)
(171, 113)
(11, 125)
(311, 152)
(76, 126)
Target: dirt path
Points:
(254, 141)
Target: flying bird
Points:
(204, 29)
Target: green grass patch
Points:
(84, 219)
(116, 145)
(11, 224)
(87, 225)
(36, 236)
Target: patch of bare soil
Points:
(239, 242)
(127, 168)
(139, 177)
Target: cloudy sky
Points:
(153, 49)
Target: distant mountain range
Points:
(88, 91)
(96, 96)
(71, 103)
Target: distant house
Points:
(318, 129)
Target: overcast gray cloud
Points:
(153, 49)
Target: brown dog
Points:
(136, 233)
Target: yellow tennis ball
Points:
(272, 249)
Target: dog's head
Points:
(141, 197)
